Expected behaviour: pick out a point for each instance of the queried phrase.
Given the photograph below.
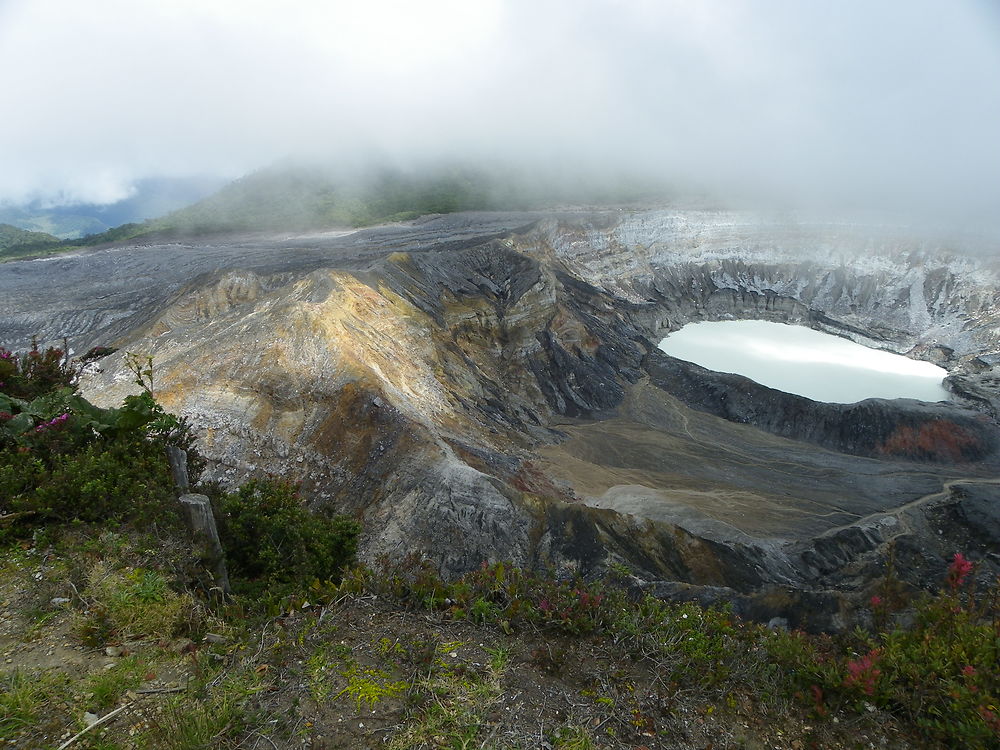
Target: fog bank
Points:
(887, 104)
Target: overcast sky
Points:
(884, 101)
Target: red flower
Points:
(958, 570)
(863, 672)
(990, 718)
(876, 601)
(817, 693)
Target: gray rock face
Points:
(101, 295)
(478, 387)
(901, 428)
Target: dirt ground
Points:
(362, 671)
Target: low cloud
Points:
(893, 104)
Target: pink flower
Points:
(958, 570)
(968, 670)
(863, 672)
(54, 422)
(876, 601)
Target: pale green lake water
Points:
(809, 363)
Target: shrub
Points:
(124, 479)
(941, 673)
(271, 538)
(936, 668)
(33, 373)
(938, 671)
(63, 458)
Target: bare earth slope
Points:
(487, 386)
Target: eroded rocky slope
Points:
(483, 387)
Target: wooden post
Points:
(198, 511)
(178, 467)
(200, 521)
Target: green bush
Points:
(271, 539)
(941, 672)
(124, 479)
(64, 459)
(33, 373)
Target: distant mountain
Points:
(296, 197)
(63, 222)
(151, 198)
(15, 241)
(289, 197)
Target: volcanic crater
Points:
(488, 386)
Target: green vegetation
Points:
(224, 719)
(134, 602)
(572, 738)
(16, 242)
(106, 688)
(274, 543)
(64, 459)
(451, 703)
(92, 488)
(937, 672)
(61, 223)
(24, 700)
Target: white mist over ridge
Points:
(888, 104)
(809, 363)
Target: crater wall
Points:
(475, 388)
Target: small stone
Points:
(182, 646)
(114, 651)
(58, 601)
(214, 638)
(90, 719)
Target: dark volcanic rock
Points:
(899, 428)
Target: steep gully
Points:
(487, 386)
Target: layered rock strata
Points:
(479, 388)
